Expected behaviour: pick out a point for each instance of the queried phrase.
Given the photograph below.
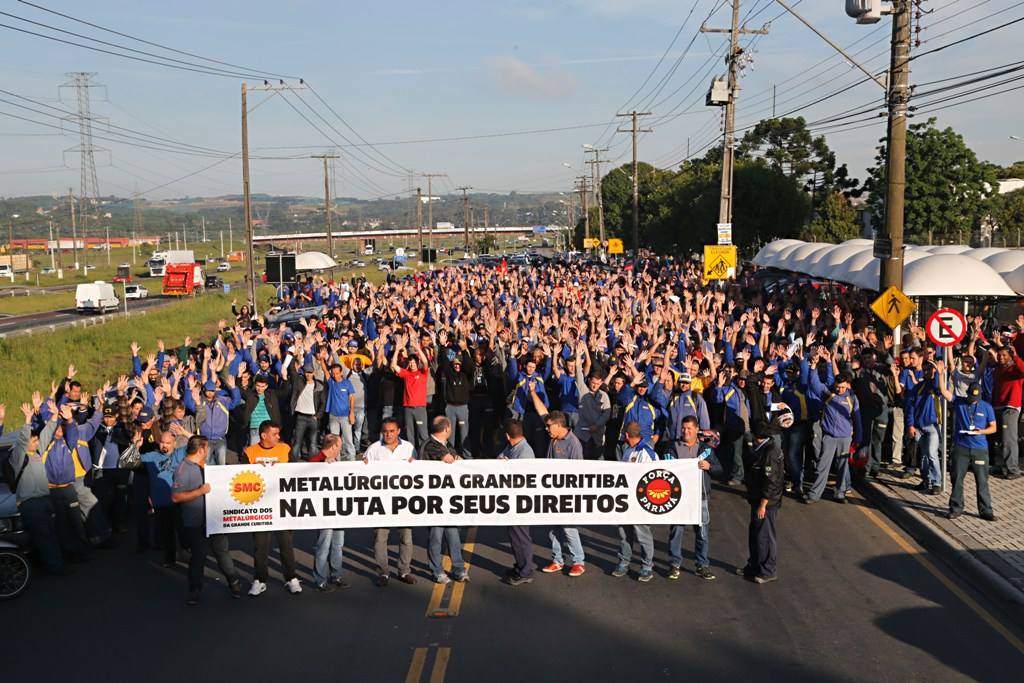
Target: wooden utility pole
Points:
(465, 214)
(896, 148)
(729, 142)
(582, 182)
(636, 182)
(247, 205)
(327, 202)
(430, 208)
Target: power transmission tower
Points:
(636, 182)
(728, 143)
(327, 202)
(465, 213)
(88, 188)
(596, 166)
(246, 191)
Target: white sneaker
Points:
(257, 588)
(293, 586)
(442, 579)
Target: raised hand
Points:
(135, 349)
(72, 372)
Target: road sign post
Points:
(893, 307)
(719, 262)
(946, 328)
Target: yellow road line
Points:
(419, 658)
(460, 588)
(440, 664)
(943, 579)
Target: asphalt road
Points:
(851, 605)
(17, 323)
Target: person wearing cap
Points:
(523, 407)
(213, 415)
(973, 420)
(109, 483)
(457, 382)
(765, 480)
(261, 404)
(686, 448)
(637, 450)
(874, 390)
(802, 441)
(61, 463)
(640, 410)
(568, 386)
(685, 401)
(840, 428)
(143, 423)
(307, 406)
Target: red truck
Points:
(182, 279)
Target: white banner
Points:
(467, 493)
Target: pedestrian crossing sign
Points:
(591, 243)
(719, 262)
(893, 307)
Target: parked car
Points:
(357, 263)
(223, 267)
(135, 292)
(47, 271)
(213, 282)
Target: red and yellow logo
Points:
(247, 487)
(659, 491)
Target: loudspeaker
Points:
(280, 268)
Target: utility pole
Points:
(430, 207)
(74, 229)
(327, 202)
(636, 182)
(465, 214)
(53, 263)
(896, 147)
(419, 220)
(246, 189)
(108, 245)
(728, 143)
(582, 181)
(231, 235)
(596, 166)
(136, 221)
(221, 244)
(204, 229)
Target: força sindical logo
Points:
(659, 491)
(247, 487)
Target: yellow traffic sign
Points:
(615, 246)
(719, 262)
(893, 307)
(591, 243)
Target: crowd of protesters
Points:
(772, 383)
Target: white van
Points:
(96, 297)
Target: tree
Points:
(1008, 215)
(836, 221)
(788, 147)
(947, 190)
(1014, 170)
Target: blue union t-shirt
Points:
(161, 474)
(967, 415)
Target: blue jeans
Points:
(641, 533)
(450, 536)
(359, 429)
(572, 540)
(328, 555)
(794, 441)
(928, 453)
(217, 454)
(701, 542)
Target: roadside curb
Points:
(83, 323)
(947, 546)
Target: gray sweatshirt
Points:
(34, 483)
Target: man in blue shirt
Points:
(973, 420)
(638, 450)
(922, 417)
(840, 428)
(341, 414)
(161, 465)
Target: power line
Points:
(147, 42)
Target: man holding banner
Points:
(518, 448)
(391, 448)
(436, 448)
(637, 450)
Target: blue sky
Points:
(406, 71)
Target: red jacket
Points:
(1006, 384)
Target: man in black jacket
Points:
(765, 480)
(261, 404)
(457, 377)
(436, 448)
(308, 399)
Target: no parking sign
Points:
(946, 327)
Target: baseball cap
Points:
(144, 416)
(210, 386)
(684, 377)
(642, 385)
(308, 367)
(110, 410)
(974, 391)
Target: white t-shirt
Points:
(378, 452)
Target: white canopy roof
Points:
(944, 270)
(314, 260)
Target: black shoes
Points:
(988, 517)
(382, 581)
(340, 583)
(193, 598)
(953, 515)
(407, 578)
(518, 580)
